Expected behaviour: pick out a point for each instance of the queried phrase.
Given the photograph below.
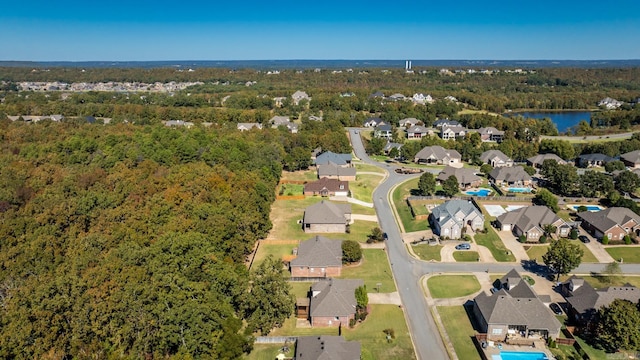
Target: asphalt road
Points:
(407, 271)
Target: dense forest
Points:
(130, 241)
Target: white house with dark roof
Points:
(383, 131)
(248, 126)
(610, 103)
(440, 123)
(417, 132)
(491, 134)
(373, 122)
(453, 132)
(409, 122)
(593, 160)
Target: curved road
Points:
(407, 271)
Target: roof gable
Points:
(319, 252)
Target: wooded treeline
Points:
(130, 242)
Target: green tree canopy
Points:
(427, 184)
(351, 251)
(563, 256)
(546, 198)
(617, 326)
(450, 186)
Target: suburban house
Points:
(583, 301)
(514, 313)
(333, 171)
(383, 131)
(333, 302)
(631, 159)
(417, 132)
(449, 219)
(536, 161)
(467, 178)
(397, 97)
(317, 257)
(409, 122)
(169, 123)
(440, 123)
(377, 95)
(615, 222)
(496, 158)
(437, 155)
(453, 132)
(590, 160)
(327, 187)
(491, 134)
(610, 103)
(530, 221)
(248, 126)
(373, 122)
(279, 120)
(299, 96)
(420, 98)
(510, 176)
(391, 145)
(326, 347)
(331, 157)
(326, 217)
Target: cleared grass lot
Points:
(399, 196)
(466, 256)
(441, 287)
(460, 331)
(428, 252)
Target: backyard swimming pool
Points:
(519, 190)
(592, 208)
(516, 355)
(478, 192)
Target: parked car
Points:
(556, 308)
(584, 239)
(463, 246)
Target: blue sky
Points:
(117, 30)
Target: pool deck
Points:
(540, 347)
(574, 207)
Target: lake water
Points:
(564, 120)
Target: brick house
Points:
(333, 171)
(326, 217)
(333, 302)
(615, 222)
(327, 187)
(530, 222)
(317, 257)
(467, 178)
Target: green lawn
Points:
(369, 333)
(588, 256)
(362, 210)
(300, 289)
(362, 188)
(460, 331)
(428, 252)
(303, 175)
(441, 287)
(369, 168)
(600, 282)
(629, 254)
(536, 252)
(404, 212)
(493, 242)
(594, 354)
(268, 352)
(419, 207)
(290, 189)
(277, 251)
(466, 256)
(374, 269)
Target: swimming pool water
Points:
(519, 190)
(515, 355)
(479, 192)
(589, 207)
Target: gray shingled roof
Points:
(595, 157)
(464, 175)
(326, 212)
(336, 297)
(632, 157)
(446, 212)
(489, 155)
(327, 157)
(585, 298)
(510, 174)
(437, 153)
(529, 217)
(604, 220)
(418, 129)
(508, 307)
(331, 169)
(540, 158)
(516, 286)
(490, 131)
(326, 347)
(319, 252)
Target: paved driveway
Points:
(513, 245)
(597, 249)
